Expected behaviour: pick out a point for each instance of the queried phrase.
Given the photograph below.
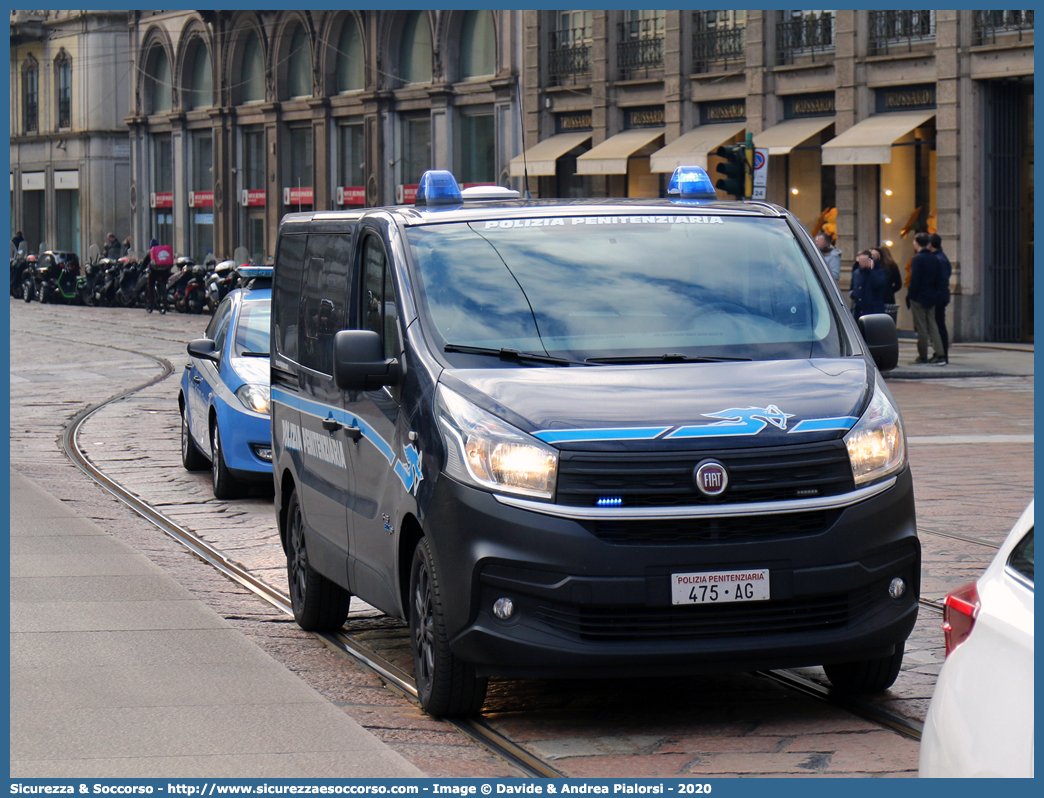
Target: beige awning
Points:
(542, 157)
(871, 140)
(782, 138)
(610, 157)
(692, 148)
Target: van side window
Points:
(287, 294)
(378, 296)
(323, 299)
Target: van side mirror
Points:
(881, 338)
(203, 348)
(359, 362)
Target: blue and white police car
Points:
(588, 438)
(224, 391)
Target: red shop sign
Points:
(351, 195)
(298, 195)
(161, 199)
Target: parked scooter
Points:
(29, 278)
(56, 277)
(128, 293)
(222, 279)
(92, 273)
(185, 288)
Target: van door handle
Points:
(197, 379)
(331, 425)
(355, 433)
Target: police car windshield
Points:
(625, 286)
(252, 330)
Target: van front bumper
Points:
(586, 604)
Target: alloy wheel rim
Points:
(424, 633)
(298, 558)
(215, 455)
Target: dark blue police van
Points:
(588, 438)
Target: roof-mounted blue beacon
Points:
(439, 187)
(691, 183)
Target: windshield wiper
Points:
(665, 358)
(253, 354)
(508, 354)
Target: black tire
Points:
(191, 457)
(226, 486)
(319, 604)
(45, 294)
(446, 686)
(866, 676)
(28, 290)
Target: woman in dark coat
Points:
(868, 285)
(895, 277)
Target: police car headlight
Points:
(877, 443)
(254, 397)
(484, 451)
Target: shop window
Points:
(158, 87)
(351, 59)
(200, 89)
(252, 73)
(201, 216)
(299, 65)
(67, 218)
(906, 198)
(31, 95)
(415, 54)
(477, 137)
(477, 45)
(297, 164)
(353, 155)
(63, 82)
(254, 159)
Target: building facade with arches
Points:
(239, 117)
(69, 89)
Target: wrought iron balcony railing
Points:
(989, 23)
(899, 30)
(806, 36)
(712, 49)
(639, 46)
(570, 53)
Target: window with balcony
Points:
(718, 39)
(31, 95)
(639, 47)
(804, 36)
(569, 50)
(63, 82)
(899, 31)
(1008, 25)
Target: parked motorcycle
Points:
(186, 292)
(130, 290)
(29, 278)
(56, 276)
(18, 261)
(93, 272)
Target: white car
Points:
(980, 722)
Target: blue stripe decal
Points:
(409, 472)
(620, 434)
(825, 424)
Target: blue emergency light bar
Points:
(691, 183)
(246, 271)
(439, 187)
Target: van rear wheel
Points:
(319, 604)
(866, 676)
(446, 686)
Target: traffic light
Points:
(734, 168)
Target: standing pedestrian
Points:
(868, 285)
(126, 246)
(945, 270)
(830, 253)
(112, 248)
(895, 276)
(17, 239)
(160, 259)
(922, 297)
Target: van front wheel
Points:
(866, 676)
(446, 686)
(319, 604)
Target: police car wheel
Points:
(866, 676)
(319, 604)
(191, 457)
(446, 686)
(226, 486)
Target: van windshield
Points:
(611, 287)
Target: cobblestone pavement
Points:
(723, 725)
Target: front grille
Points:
(665, 479)
(705, 530)
(753, 619)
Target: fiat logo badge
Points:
(711, 478)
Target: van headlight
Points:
(254, 397)
(484, 451)
(877, 443)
